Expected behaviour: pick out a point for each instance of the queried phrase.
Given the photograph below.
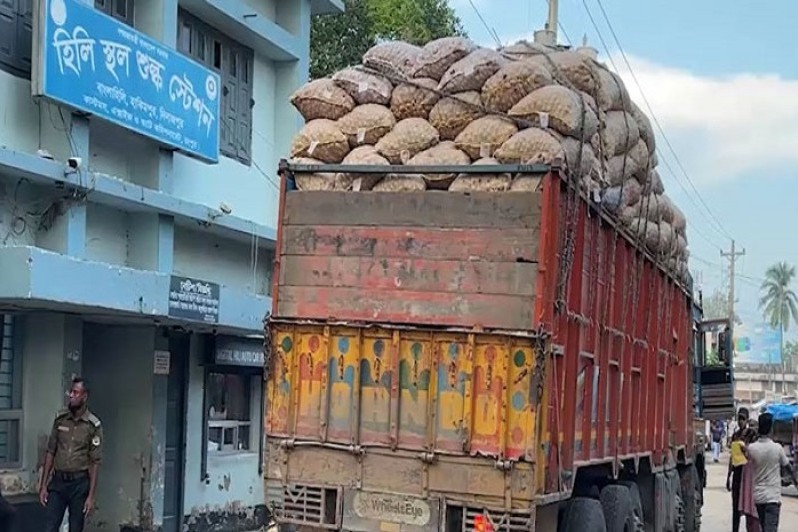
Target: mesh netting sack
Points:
(322, 98)
(445, 153)
(619, 133)
(665, 208)
(401, 183)
(526, 183)
(611, 93)
(393, 58)
(530, 146)
(621, 196)
(364, 155)
(559, 108)
(366, 124)
(628, 165)
(679, 221)
(652, 183)
(680, 248)
(485, 135)
(315, 181)
(414, 99)
(644, 127)
(320, 139)
(524, 50)
(364, 87)
(482, 182)
(451, 115)
(512, 82)
(408, 137)
(439, 55)
(471, 72)
(576, 68)
(580, 158)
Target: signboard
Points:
(232, 351)
(194, 300)
(364, 510)
(760, 344)
(94, 63)
(162, 363)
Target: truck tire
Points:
(691, 496)
(619, 513)
(583, 515)
(637, 505)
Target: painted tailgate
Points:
(451, 393)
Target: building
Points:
(134, 258)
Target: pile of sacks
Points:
(454, 103)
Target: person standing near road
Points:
(736, 462)
(718, 430)
(768, 458)
(74, 452)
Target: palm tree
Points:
(779, 303)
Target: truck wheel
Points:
(691, 497)
(618, 508)
(583, 515)
(637, 505)
(679, 524)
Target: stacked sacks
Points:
(452, 102)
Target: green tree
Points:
(778, 301)
(338, 41)
(716, 306)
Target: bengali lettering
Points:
(150, 69)
(73, 50)
(116, 55)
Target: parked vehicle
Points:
(458, 361)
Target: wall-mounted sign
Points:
(194, 300)
(161, 362)
(233, 351)
(94, 63)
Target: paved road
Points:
(717, 502)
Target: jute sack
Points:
(559, 108)
(315, 181)
(575, 68)
(401, 183)
(611, 93)
(445, 153)
(364, 87)
(366, 124)
(482, 182)
(523, 50)
(451, 115)
(652, 183)
(413, 100)
(619, 134)
(626, 166)
(320, 139)
(438, 56)
(644, 127)
(364, 155)
(471, 72)
(482, 137)
(409, 137)
(526, 183)
(322, 98)
(512, 82)
(621, 196)
(679, 221)
(531, 145)
(393, 58)
(665, 208)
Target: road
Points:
(717, 501)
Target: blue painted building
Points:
(136, 245)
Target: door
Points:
(175, 434)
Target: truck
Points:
(440, 361)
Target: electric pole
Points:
(732, 256)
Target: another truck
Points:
(442, 361)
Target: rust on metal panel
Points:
(415, 209)
(498, 244)
(409, 307)
(368, 273)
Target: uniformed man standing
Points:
(74, 450)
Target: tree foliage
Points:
(338, 41)
(779, 302)
(716, 306)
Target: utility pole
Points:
(548, 36)
(732, 256)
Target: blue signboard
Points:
(94, 63)
(760, 344)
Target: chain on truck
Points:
(480, 361)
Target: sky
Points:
(722, 79)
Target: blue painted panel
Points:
(96, 64)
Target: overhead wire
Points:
(718, 226)
(488, 28)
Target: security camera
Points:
(225, 208)
(74, 162)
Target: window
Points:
(119, 9)
(234, 63)
(16, 36)
(228, 407)
(10, 395)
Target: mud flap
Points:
(365, 511)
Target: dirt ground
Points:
(717, 501)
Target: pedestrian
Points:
(746, 504)
(6, 514)
(71, 464)
(717, 437)
(768, 458)
(736, 462)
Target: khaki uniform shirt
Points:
(75, 443)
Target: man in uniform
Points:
(74, 450)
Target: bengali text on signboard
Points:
(194, 300)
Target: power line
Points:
(489, 29)
(719, 226)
